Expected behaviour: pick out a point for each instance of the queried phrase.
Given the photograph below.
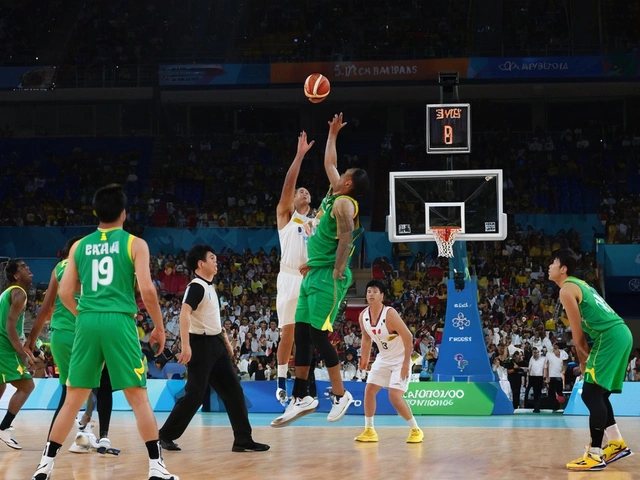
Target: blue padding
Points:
(502, 405)
(624, 404)
(463, 352)
(45, 395)
(261, 398)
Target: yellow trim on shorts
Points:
(328, 325)
(139, 371)
(592, 370)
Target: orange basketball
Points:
(316, 87)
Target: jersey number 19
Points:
(101, 272)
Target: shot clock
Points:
(448, 128)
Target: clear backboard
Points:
(469, 199)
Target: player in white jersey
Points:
(293, 231)
(391, 367)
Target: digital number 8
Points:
(448, 134)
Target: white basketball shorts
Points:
(388, 374)
(287, 297)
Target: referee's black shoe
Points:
(250, 447)
(169, 445)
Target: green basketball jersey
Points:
(322, 245)
(597, 315)
(62, 318)
(5, 306)
(106, 272)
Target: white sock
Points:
(597, 451)
(282, 370)
(368, 422)
(412, 422)
(612, 432)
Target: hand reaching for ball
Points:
(335, 124)
(303, 145)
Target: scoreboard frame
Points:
(445, 122)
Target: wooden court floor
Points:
(509, 447)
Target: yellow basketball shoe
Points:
(415, 436)
(369, 435)
(588, 461)
(615, 450)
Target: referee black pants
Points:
(535, 382)
(210, 364)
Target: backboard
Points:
(470, 199)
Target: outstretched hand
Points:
(303, 146)
(336, 124)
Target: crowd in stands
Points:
(118, 33)
(26, 28)
(55, 190)
(235, 180)
(121, 33)
(354, 30)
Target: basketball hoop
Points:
(445, 238)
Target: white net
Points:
(445, 238)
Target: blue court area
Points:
(524, 420)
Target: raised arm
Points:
(343, 210)
(330, 153)
(284, 210)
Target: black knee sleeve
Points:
(611, 420)
(304, 350)
(320, 340)
(593, 397)
(104, 400)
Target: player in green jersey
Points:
(63, 326)
(105, 266)
(327, 277)
(604, 365)
(14, 359)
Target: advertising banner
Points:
(622, 285)
(622, 260)
(456, 398)
(27, 78)
(535, 67)
(424, 398)
(624, 404)
(213, 74)
(372, 71)
(463, 354)
(621, 65)
(46, 395)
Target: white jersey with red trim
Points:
(389, 344)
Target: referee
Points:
(208, 355)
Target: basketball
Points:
(316, 87)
